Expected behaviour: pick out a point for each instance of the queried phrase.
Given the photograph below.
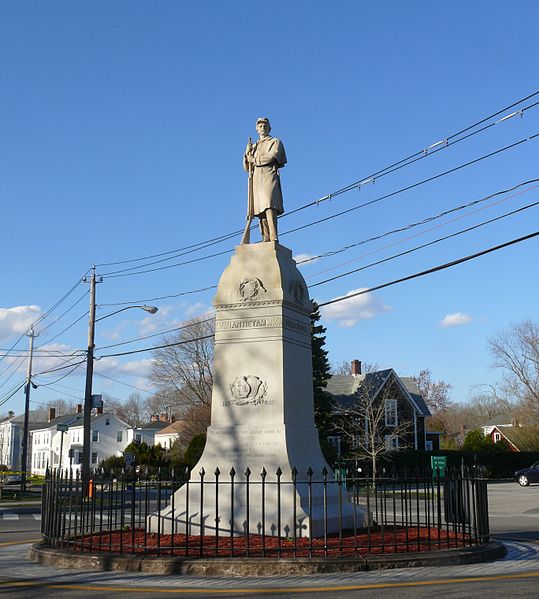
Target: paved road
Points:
(514, 511)
(517, 575)
(515, 515)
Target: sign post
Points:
(63, 430)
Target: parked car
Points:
(528, 475)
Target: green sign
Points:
(438, 463)
(62, 427)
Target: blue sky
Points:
(122, 127)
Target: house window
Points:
(497, 437)
(95, 435)
(94, 458)
(335, 442)
(138, 437)
(392, 442)
(428, 445)
(107, 421)
(119, 436)
(79, 458)
(391, 412)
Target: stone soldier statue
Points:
(262, 161)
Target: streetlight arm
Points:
(150, 309)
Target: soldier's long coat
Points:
(269, 158)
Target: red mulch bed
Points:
(398, 540)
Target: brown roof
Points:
(175, 427)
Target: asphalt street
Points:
(514, 517)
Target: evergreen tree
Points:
(321, 373)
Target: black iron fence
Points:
(247, 515)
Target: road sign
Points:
(62, 427)
(438, 463)
(129, 459)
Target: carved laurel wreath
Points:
(250, 287)
(247, 390)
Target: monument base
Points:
(262, 469)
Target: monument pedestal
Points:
(262, 418)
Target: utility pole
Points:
(28, 386)
(87, 421)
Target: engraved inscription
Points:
(258, 323)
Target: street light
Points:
(87, 421)
(150, 309)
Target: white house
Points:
(145, 433)
(63, 449)
(11, 434)
(166, 436)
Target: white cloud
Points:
(361, 307)
(455, 320)
(302, 257)
(113, 367)
(16, 320)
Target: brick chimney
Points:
(163, 418)
(99, 410)
(154, 418)
(79, 408)
(52, 414)
(356, 367)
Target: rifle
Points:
(246, 238)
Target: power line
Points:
(61, 378)
(66, 312)
(64, 330)
(162, 297)
(6, 398)
(423, 221)
(414, 185)
(138, 351)
(123, 273)
(424, 245)
(122, 382)
(59, 368)
(185, 326)
(44, 315)
(423, 153)
(371, 289)
(349, 246)
(431, 270)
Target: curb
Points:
(99, 562)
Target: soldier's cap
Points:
(263, 119)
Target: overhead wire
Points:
(349, 246)
(122, 382)
(118, 274)
(423, 221)
(157, 334)
(423, 153)
(428, 244)
(362, 292)
(431, 270)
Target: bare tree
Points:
(183, 373)
(371, 425)
(61, 407)
(435, 393)
(344, 368)
(516, 352)
(133, 411)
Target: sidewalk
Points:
(521, 558)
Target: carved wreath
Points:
(250, 287)
(247, 390)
